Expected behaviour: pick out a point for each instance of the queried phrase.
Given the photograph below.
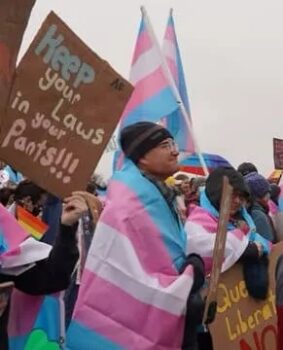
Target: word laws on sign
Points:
(243, 323)
(64, 106)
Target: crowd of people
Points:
(150, 234)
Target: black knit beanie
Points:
(139, 138)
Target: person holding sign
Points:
(138, 279)
(243, 243)
(51, 269)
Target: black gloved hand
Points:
(199, 272)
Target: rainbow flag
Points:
(175, 121)
(17, 248)
(132, 293)
(31, 224)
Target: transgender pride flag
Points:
(133, 294)
(175, 121)
(155, 95)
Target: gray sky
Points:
(232, 55)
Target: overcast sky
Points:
(232, 55)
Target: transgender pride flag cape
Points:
(36, 322)
(33, 321)
(132, 295)
(18, 250)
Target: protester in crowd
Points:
(85, 231)
(15, 177)
(246, 168)
(29, 196)
(196, 184)
(275, 191)
(6, 196)
(51, 274)
(181, 184)
(259, 209)
(137, 285)
(243, 243)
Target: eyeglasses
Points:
(169, 145)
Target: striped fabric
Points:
(18, 251)
(31, 224)
(201, 227)
(132, 295)
(36, 321)
(17, 248)
(153, 97)
(175, 122)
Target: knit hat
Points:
(214, 184)
(139, 138)
(257, 184)
(246, 168)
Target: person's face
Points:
(238, 201)
(266, 197)
(185, 187)
(161, 161)
(34, 208)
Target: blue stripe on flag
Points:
(3, 243)
(167, 225)
(153, 109)
(48, 318)
(80, 337)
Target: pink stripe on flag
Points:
(173, 69)
(145, 89)
(13, 233)
(190, 144)
(143, 44)
(22, 326)
(170, 34)
(106, 299)
(147, 245)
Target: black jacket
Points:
(48, 276)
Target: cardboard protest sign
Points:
(243, 323)
(278, 153)
(14, 15)
(64, 106)
(219, 249)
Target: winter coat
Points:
(262, 221)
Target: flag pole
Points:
(174, 89)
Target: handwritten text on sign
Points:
(64, 107)
(243, 323)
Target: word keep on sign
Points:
(64, 106)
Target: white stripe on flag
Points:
(146, 64)
(202, 242)
(30, 252)
(113, 258)
(169, 50)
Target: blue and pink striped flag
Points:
(132, 294)
(175, 121)
(154, 96)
